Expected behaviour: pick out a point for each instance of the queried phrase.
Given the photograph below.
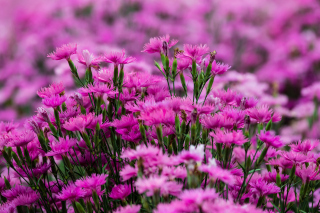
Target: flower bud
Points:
(16, 159)
(165, 48)
(44, 114)
(193, 133)
(183, 82)
(186, 143)
(87, 140)
(210, 85)
(174, 68)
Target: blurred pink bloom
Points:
(118, 58)
(304, 146)
(193, 52)
(309, 173)
(54, 101)
(228, 137)
(64, 52)
(156, 43)
(270, 139)
(92, 182)
(71, 193)
(61, 147)
(128, 172)
(120, 192)
(52, 90)
(128, 209)
(79, 123)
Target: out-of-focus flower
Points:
(64, 52)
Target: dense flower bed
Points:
(127, 141)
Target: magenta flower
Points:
(79, 123)
(33, 172)
(13, 193)
(99, 90)
(92, 182)
(183, 64)
(217, 173)
(71, 193)
(246, 103)
(309, 173)
(62, 146)
(158, 116)
(260, 188)
(22, 138)
(263, 114)
(128, 172)
(219, 68)
(271, 176)
(26, 199)
(193, 52)
(126, 122)
(8, 207)
(118, 58)
(193, 155)
(197, 197)
(158, 184)
(120, 192)
(54, 101)
(132, 135)
(128, 209)
(64, 52)
(105, 75)
(155, 44)
(296, 158)
(141, 152)
(53, 90)
(270, 139)
(312, 91)
(304, 146)
(87, 59)
(228, 97)
(237, 116)
(228, 137)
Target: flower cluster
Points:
(124, 143)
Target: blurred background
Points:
(273, 47)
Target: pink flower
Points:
(271, 176)
(120, 192)
(219, 68)
(196, 197)
(13, 193)
(99, 90)
(193, 155)
(8, 207)
(215, 172)
(237, 116)
(312, 91)
(132, 135)
(155, 184)
(140, 152)
(305, 146)
(228, 137)
(64, 52)
(270, 139)
(54, 101)
(155, 44)
(62, 146)
(126, 122)
(71, 192)
(33, 172)
(92, 182)
(87, 59)
(246, 103)
(105, 75)
(118, 58)
(26, 199)
(52, 90)
(128, 172)
(228, 97)
(216, 121)
(262, 188)
(79, 123)
(158, 116)
(309, 173)
(263, 114)
(128, 209)
(296, 158)
(193, 52)
(22, 138)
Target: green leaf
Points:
(254, 170)
(275, 207)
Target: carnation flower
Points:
(126, 122)
(193, 155)
(141, 152)
(79, 123)
(118, 58)
(22, 138)
(219, 68)
(271, 176)
(128, 172)
(228, 137)
(99, 90)
(128, 209)
(309, 173)
(92, 182)
(86, 58)
(228, 97)
(197, 197)
(156, 44)
(120, 192)
(105, 75)
(53, 90)
(62, 146)
(304, 146)
(193, 52)
(13, 193)
(270, 140)
(26, 199)
(71, 193)
(263, 114)
(64, 52)
(54, 101)
(296, 158)
(158, 116)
